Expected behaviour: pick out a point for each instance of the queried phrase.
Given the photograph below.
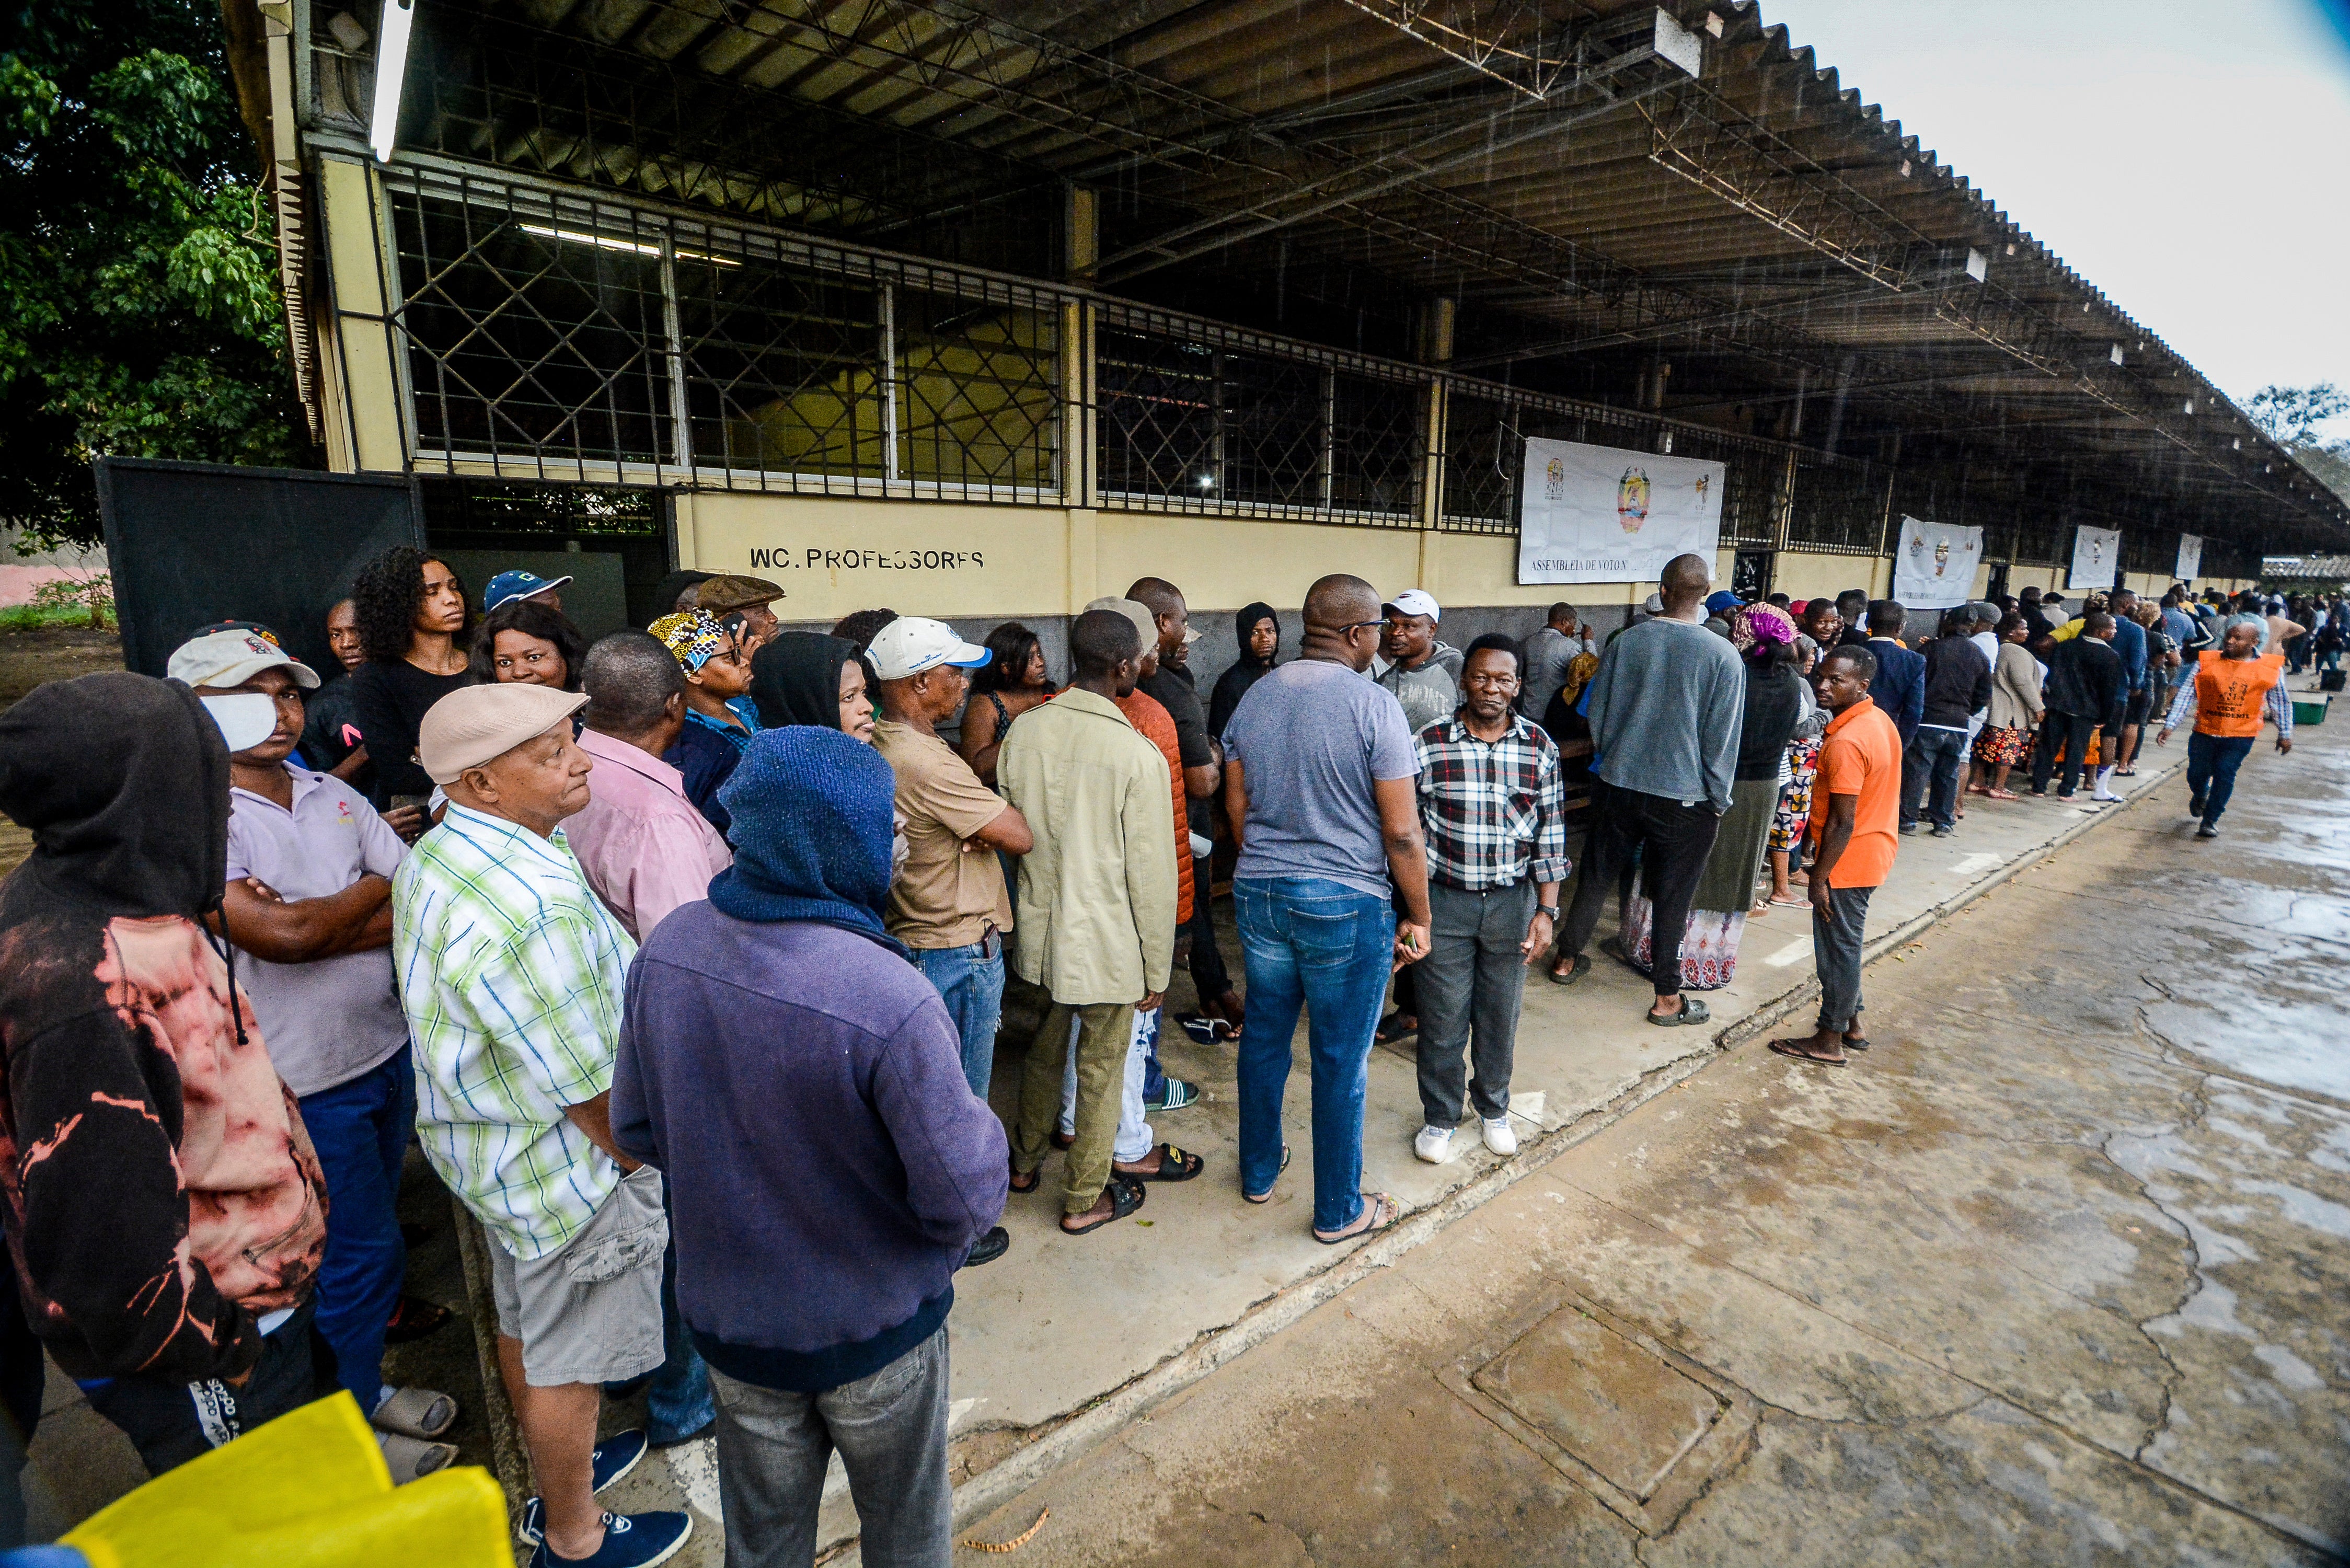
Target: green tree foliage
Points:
(139, 306)
(2295, 418)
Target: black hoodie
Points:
(161, 1188)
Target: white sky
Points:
(2187, 157)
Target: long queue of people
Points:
(684, 955)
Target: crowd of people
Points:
(683, 956)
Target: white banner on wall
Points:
(2096, 558)
(1603, 514)
(2190, 557)
(1934, 564)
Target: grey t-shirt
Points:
(1311, 737)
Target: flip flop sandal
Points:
(1266, 1196)
(1692, 1012)
(1392, 1030)
(418, 1413)
(1574, 971)
(1381, 1212)
(1174, 1164)
(1791, 902)
(1786, 1048)
(1209, 1030)
(1852, 1044)
(1064, 1140)
(1035, 1179)
(1179, 1093)
(2002, 795)
(412, 1319)
(412, 1459)
(1126, 1196)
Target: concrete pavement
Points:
(2056, 1272)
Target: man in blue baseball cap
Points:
(521, 584)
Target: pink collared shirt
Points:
(645, 848)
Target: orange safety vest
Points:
(2229, 692)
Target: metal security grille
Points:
(1839, 507)
(570, 338)
(1197, 419)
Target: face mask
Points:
(245, 718)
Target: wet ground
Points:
(2054, 1273)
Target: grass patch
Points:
(33, 617)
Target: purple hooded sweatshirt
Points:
(799, 1084)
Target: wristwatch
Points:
(1550, 909)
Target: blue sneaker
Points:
(616, 1456)
(630, 1540)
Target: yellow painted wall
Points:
(835, 555)
(1807, 574)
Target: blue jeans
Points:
(361, 1130)
(970, 981)
(1311, 942)
(676, 1401)
(2211, 765)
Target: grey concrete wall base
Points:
(1077, 1434)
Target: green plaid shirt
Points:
(510, 972)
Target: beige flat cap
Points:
(474, 723)
(1135, 610)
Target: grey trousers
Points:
(1836, 948)
(891, 1431)
(1471, 985)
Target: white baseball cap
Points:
(911, 644)
(232, 658)
(1415, 601)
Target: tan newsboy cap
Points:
(474, 723)
(1146, 625)
(720, 594)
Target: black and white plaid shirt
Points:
(1495, 811)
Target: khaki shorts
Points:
(590, 1313)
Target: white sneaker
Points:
(1433, 1145)
(1501, 1137)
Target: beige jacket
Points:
(2015, 700)
(1097, 893)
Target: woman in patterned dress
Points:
(1794, 811)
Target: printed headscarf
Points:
(1762, 624)
(693, 636)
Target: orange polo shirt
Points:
(1861, 756)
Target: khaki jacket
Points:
(1097, 893)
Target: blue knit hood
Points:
(811, 832)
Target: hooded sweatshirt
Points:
(800, 1085)
(1233, 683)
(161, 1190)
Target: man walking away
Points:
(1957, 683)
(1494, 809)
(511, 971)
(1546, 655)
(1423, 673)
(1098, 890)
(165, 1208)
(2230, 691)
(949, 903)
(2085, 688)
(1900, 688)
(1319, 790)
(1666, 706)
(801, 1086)
(1855, 812)
(309, 905)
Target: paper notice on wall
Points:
(1604, 515)
(1934, 564)
(2096, 558)
(2190, 557)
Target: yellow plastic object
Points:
(308, 1489)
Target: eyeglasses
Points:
(1352, 626)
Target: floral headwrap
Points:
(1753, 624)
(692, 635)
